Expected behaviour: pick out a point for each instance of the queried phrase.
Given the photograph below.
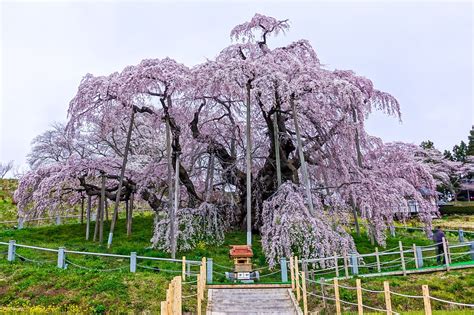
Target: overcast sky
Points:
(420, 52)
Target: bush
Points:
(452, 209)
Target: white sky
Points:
(420, 52)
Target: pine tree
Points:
(470, 147)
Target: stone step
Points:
(250, 301)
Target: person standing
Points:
(438, 236)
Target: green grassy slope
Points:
(42, 287)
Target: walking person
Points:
(438, 236)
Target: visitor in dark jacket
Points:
(438, 236)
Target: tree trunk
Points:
(122, 173)
(304, 169)
(249, 170)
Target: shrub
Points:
(451, 209)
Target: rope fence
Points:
(299, 286)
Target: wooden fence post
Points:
(446, 253)
(292, 273)
(297, 275)
(346, 267)
(198, 284)
(360, 308)
(426, 299)
(336, 267)
(321, 281)
(415, 257)
(377, 259)
(183, 271)
(179, 295)
(402, 258)
(163, 308)
(305, 298)
(336, 296)
(388, 300)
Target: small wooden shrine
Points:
(242, 256)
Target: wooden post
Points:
(377, 259)
(304, 169)
(388, 300)
(97, 219)
(360, 308)
(248, 162)
(292, 273)
(297, 275)
(446, 254)
(276, 136)
(402, 258)
(346, 267)
(122, 174)
(426, 299)
(163, 308)
(88, 216)
(130, 213)
(178, 290)
(321, 282)
(335, 265)
(102, 209)
(175, 209)
(204, 279)
(415, 257)
(82, 209)
(305, 298)
(183, 271)
(336, 296)
(198, 294)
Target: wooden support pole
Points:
(426, 299)
(297, 275)
(402, 258)
(388, 300)
(323, 294)
(88, 216)
(276, 136)
(120, 184)
(82, 209)
(102, 208)
(176, 206)
(360, 308)
(414, 256)
(163, 308)
(183, 271)
(199, 294)
(248, 168)
(304, 169)
(97, 216)
(336, 296)
(292, 273)
(130, 216)
(446, 253)
(305, 298)
(336, 266)
(346, 266)
(377, 259)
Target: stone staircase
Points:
(251, 301)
